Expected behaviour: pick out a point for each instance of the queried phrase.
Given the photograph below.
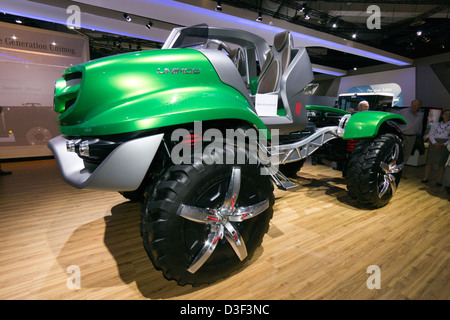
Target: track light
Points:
(259, 19)
(306, 12)
(127, 17)
(335, 23)
(149, 24)
(219, 6)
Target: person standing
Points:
(413, 127)
(437, 151)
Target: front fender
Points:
(366, 124)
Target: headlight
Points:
(84, 148)
(70, 145)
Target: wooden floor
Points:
(319, 244)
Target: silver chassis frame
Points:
(301, 150)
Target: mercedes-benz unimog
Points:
(200, 132)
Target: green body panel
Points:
(367, 123)
(362, 124)
(145, 90)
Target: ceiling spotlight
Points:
(306, 13)
(335, 25)
(419, 33)
(149, 24)
(354, 36)
(127, 17)
(219, 6)
(19, 21)
(259, 19)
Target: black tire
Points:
(172, 241)
(365, 177)
(290, 169)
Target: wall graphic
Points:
(391, 88)
(401, 82)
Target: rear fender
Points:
(368, 123)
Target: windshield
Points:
(193, 36)
(376, 102)
(246, 50)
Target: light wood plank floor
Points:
(319, 244)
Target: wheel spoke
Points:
(196, 214)
(248, 212)
(389, 181)
(385, 167)
(385, 187)
(393, 183)
(388, 171)
(236, 241)
(233, 190)
(207, 249)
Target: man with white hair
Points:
(413, 127)
(363, 106)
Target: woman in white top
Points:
(437, 151)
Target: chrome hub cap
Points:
(221, 222)
(388, 169)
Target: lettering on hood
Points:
(178, 70)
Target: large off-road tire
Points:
(186, 209)
(290, 169)
(374, 170)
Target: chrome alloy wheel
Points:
(222, 221)
(389, 169)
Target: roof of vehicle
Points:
(242, 38)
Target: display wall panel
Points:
(31, 60)
(402, 82)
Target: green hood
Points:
(145, 90)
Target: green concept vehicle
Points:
(201, 131)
